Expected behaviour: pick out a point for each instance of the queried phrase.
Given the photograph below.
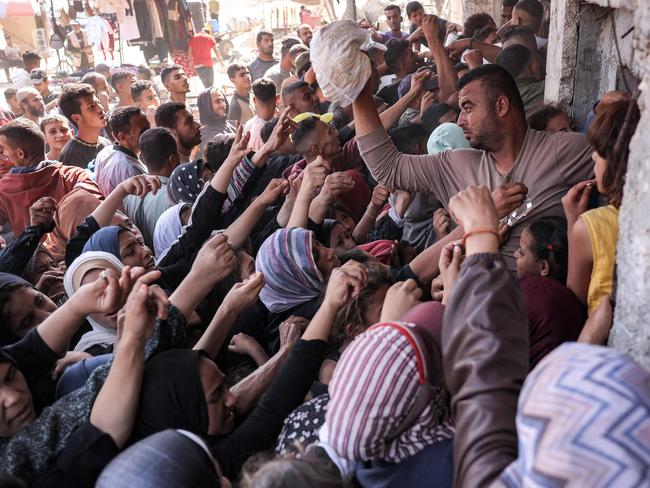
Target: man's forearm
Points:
(365, 113)
(250, 389)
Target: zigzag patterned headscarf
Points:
(583, 419)
(291, 276)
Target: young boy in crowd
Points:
(80, 105)
(57, 133)
(241, 108)
(32, 177)
(159, 152)
(121, 82)
(265, 99)
(116, 163)
(146, 98)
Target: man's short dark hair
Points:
(413, 7)
(120, 120)
(92, 78)
(495, 82)
(217, 150)
(234, 68)
(534, 9)
(267, 129)
(166, 114)
(292, 87)
(156, 145)
(520, 31)
(10, 92)
(431, 116)
(102, 68)
(24, 134)
(515, 59)
(303, 130)
(30, 57)
(287, 43)
(261, 34)
(70, 98)
(408, 138)
(395, 52)
(264, 90)
(118, 76)
(392, 7)
(540, 118)
(138, 87)
(476, 23)
(167, 71)
(145, 71)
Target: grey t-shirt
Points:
(79, 153)
(258, 67)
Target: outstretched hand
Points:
(400, 298)
(140, 185)
(42, 213)
(214, 261)
(345, 282)
(281, 131)
(245, 293)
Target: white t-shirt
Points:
(254, 126)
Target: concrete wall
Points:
(582, 65)
(631, 332)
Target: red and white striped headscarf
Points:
(373, 388)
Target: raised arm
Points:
(213, 263)
(485, 347)
(335, 184)
(388, 166)
(425, 265)
(447, 77)
(116, 405)
(241, 228)
(136, 185)
(240, 297)
(312, 182)
(250, 389)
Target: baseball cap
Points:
(38, 75)
(405, 85)
(26, 91)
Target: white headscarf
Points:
(74, 275)
(168, 228)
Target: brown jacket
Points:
(485, 354)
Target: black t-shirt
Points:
(79, 153)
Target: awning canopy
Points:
(16, 8)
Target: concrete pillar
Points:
(492, 7)
(561, 52)
(631, 331)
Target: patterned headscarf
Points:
(185, 183)
(583, 419)
(373, 388)
(291, 276)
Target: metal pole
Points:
(351, 10)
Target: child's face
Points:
(417, 17)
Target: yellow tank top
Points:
(602, 225)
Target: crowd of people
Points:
(415, 289)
